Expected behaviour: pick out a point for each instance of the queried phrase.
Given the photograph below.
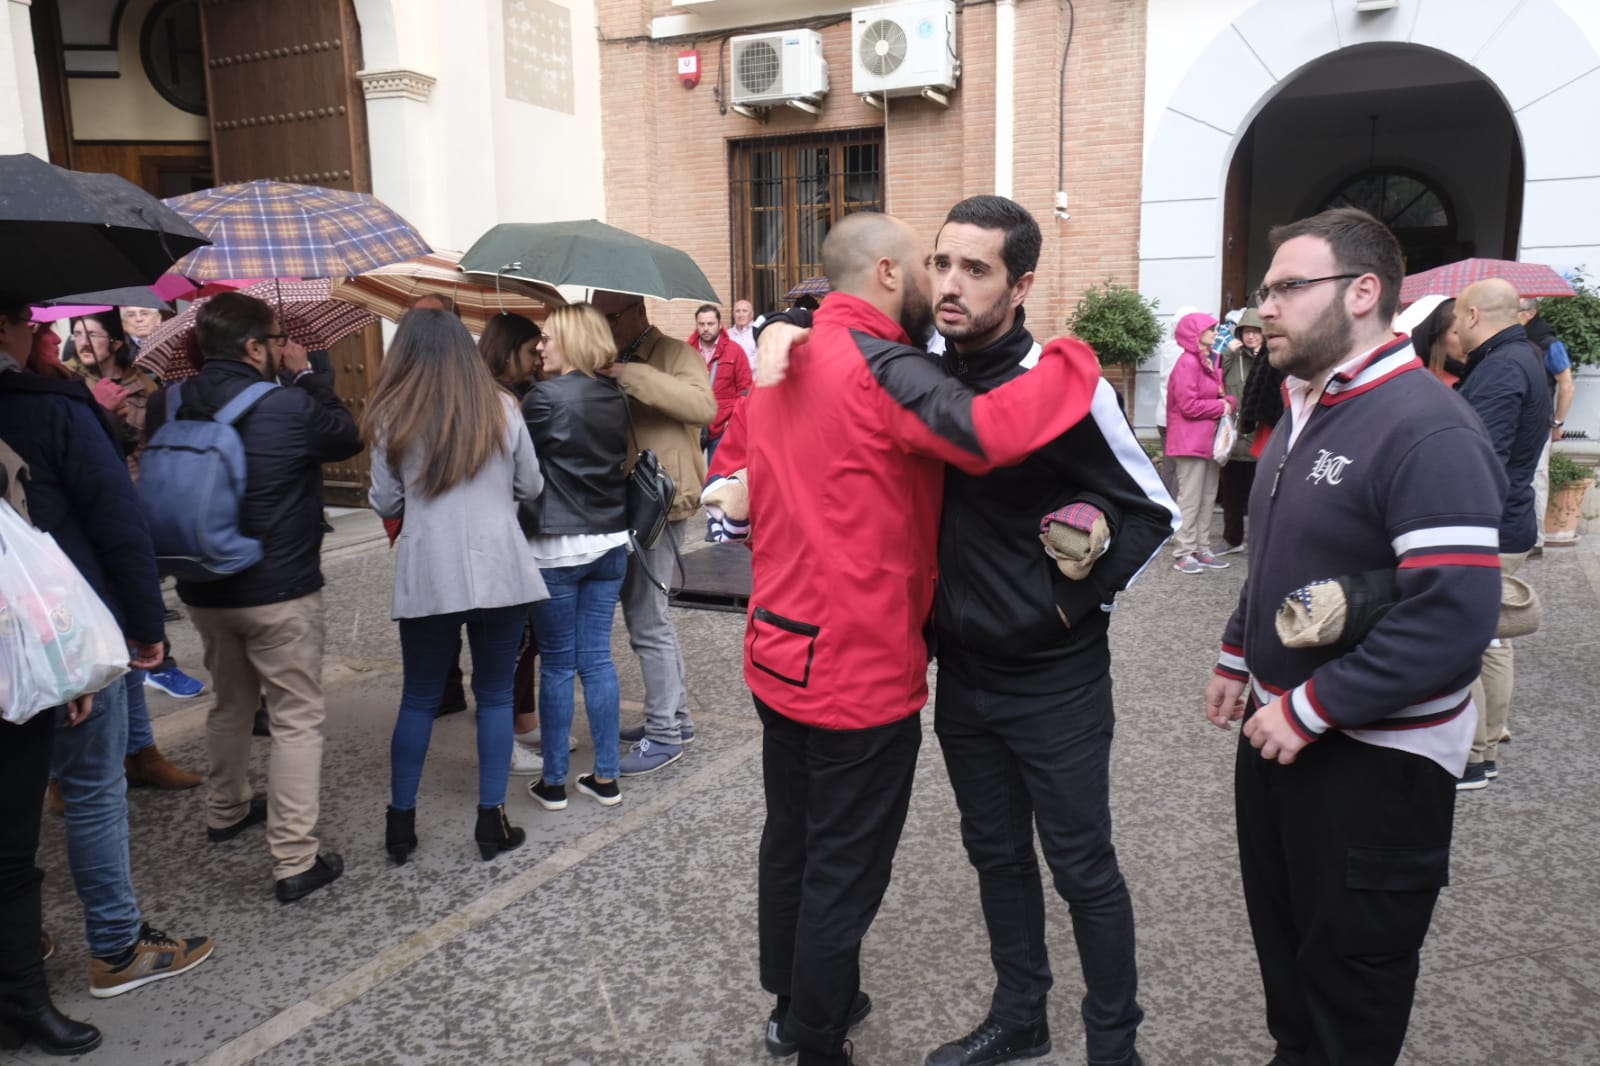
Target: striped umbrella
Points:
(1530, 279)
(273, 229)
(304, 308)
(389, 291)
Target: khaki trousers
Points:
(1197, 494)
(1492, 691)
(274, 650)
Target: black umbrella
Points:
(130, 296)
(65, 231)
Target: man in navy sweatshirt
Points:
(1507, 385)
(1344, 781)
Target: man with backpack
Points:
(254, 591)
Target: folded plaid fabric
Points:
(1075, 536)
(1076, 515)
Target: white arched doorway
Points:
(1542, 65)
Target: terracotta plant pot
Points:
(1565, 508)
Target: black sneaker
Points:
(607, 795)
(1474, 777)
(782, 1047)
(993, 1041)
(1490, 770)
(255, 816)
(550, 797)
(324, 871)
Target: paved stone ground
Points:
(628, 935)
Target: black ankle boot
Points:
(29, 1015)
(400, 833)
(494, 833)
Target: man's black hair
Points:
(1023, 239)
(228, 322)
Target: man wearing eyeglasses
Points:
(263, 626)
(1344, 780)
(669, 400)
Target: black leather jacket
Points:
(579, 427)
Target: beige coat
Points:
(669, 396)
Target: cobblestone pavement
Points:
(627, 935)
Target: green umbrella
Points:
(590, 254)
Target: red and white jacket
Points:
(733, 378)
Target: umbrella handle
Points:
(498, 295)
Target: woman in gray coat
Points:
(451, 456)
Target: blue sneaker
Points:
(175, 683)
(646, 757)
(634, 734)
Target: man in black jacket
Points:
(1023, 709)
(263, 627)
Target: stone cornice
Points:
(386, 84)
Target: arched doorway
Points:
(1417, 138)
(1543, 67)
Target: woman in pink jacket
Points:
(1196, 399)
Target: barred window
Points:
(785, 195)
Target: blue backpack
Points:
(192, 484)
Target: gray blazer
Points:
(464, 549)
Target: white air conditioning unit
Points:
(900, 49)
(775, 68)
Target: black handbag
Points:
(650, 492)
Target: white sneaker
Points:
(533, 743)
(524, 760)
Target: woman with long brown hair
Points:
(578, 418)
(452, 459)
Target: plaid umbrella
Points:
(272, 229)
(389, 291)
(304, 308)
(818, 287)
(1530, 279)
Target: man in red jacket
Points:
(726, 366)
(846, 472)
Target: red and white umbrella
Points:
(308, 315)
(1531, 279)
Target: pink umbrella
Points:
(304, 308)
(1530, 279)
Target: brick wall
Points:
(666, 147)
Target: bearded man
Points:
(1344, 780)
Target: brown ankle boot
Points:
(53, 796)
(150, 767)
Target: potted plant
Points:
(1576, 319)
(1122, 328)
(1568, 483)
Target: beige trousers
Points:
(273, 650)
(1197, 493)
(1492, 691)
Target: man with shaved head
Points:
(846, 472)
(1507, 385)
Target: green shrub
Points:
(1576, 319)
(1118, 323)
(1564, 472)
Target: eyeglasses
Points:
(80, 336)
(1282, 289)
(614, 316)
(281, 338)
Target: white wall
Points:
(128, 108)
(22, 119)
(468, 156)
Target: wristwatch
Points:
(1557, 422)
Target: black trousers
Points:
(1019, 761)
(24, 771)
(1233, 490)
(836, 803)
(1343, 853)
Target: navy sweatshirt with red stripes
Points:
(1390, 469)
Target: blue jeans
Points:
(428, 648)
(140, 733)
(574, 627)
(87, 761)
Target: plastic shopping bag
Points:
(58, 640)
